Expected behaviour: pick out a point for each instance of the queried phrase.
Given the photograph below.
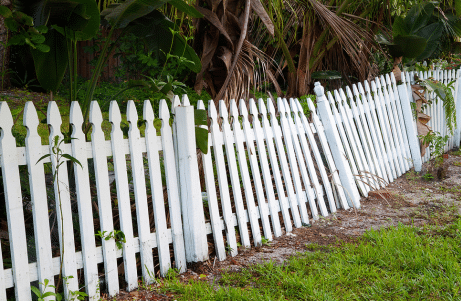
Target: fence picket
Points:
(62, 198)
(104, 200)
(212, 198)
(171, 180)
(123, 196)
(351, 133)
(246, 181)
(217, 138)
(349, 147)
(303, 132)
(234, 175)
(142, 210)
(276, 167)
(376, 104)
(398, 105)
(251, 152)
(14, 207)
(158, 203)
(376, 174)
(304, 158)
(268, 185)
(82, 188)
(293, 167)
(39, 199)
(373, 126)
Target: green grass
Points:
(402, 263)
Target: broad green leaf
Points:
(432, 33)
(12, 24)
(186, 8)
(50, 66)
(37, 38)
(42, 28)
(42, 47)
(36, 291)
(399, 27)
(5, 12)
(74, 160)
(409, 46)
(122, 14)
(16, 40)
(201, 139)
(201, 117)
(419, 16)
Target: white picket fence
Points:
(268, 168)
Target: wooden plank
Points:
(304, 158)
(212, 198)
(104, 199)
(38, 198)
(398, 104)
(376, 176)
(14, 206)
(331, 133)
(171, 181)
(269, 137)
(85, 212)
(63, 205)
(156, 187)
(304, 131)
(217, 137)
(246, 180)
(253, 158)
(234, 174)
(282, 157)
(123, 197)
(140, 194)
(349, 147)
(388, 113)
(354, 141)
(335, 179)
(262, 152)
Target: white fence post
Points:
(457, 134)
(189, 186)
(410, 125)
(331, 132)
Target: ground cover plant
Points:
(398, 263)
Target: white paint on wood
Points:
(13, 202)
(123, 196)
(38, 198)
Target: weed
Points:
(457, 163)
(412, 176)
(264, 240)
(428, 176)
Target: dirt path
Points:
(410, 199)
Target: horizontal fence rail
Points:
(269, 168)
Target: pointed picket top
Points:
(185, 100)
(262, 107)
(6, 120)
(200, 105)
(319, 91)
(243, 108)
(75, 116)
(212, 111)
(164, 111)
(310, 105)
(223, 111)
(95, 113)
(393, 79)
(356, 91)
(377, 83)
(234, 112)
(294, 106)
(253, 108)
(30, 118)
(281, 106)
(402, 77)
(373, 87)
(331, 99)
(287, 106)
(176, 103)
(388, 80)
(114, 114)
(343, 96)
(132, 113)
(54, 118)
(270, 107)
(367, 87)
(148, 113)
(383, 81)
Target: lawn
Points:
(398, 263)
